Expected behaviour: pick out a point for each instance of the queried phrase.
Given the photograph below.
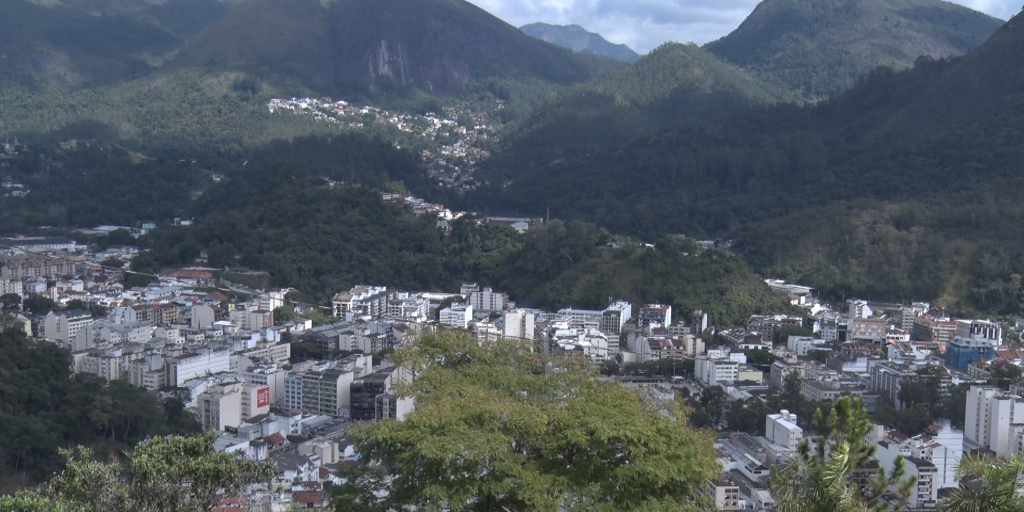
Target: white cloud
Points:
(644, 24)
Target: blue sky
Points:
(644, 24)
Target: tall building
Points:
(991, 417)
(220, 406)
(488, 301)
(716, 371)
(366, 390)
(781, 429)
(933, 329)
(320, 389)
(961, 352)
(659, 314)
(520, 324)
(204, 361)
(614, 317)
(64, 325)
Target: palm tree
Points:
(988, 485)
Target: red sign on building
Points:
(263, 397)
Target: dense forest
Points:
(44, 407)
(827, 194)
(309, 213)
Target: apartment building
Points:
(781, 429)
(64, 325)
(361, 300)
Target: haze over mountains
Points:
(577, 39)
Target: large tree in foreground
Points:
(503, 428)
(988, 485)
(172, 474)
(840, 473)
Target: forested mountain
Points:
(77, 42)
(577, 39)
(673, 83)
(437, 46)
(828, 194)
(820, 47)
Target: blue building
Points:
(961, 352)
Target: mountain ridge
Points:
(437, 46)
(820, 47)
(578, 39)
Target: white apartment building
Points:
(64, 325)
(202, 317)
(255, 400)
(857, 308)
(457, 316)
(803, 345)
(716, 371)
(220, 406)
(408, 307)
(583, 318)
(361, 300)
(12, 286)
(990, 419)
(925, 493)
(205, 361)
(269, 375)
(781, 429)
(979, 329)
(614, 317)
(520, 324)
(488, 301)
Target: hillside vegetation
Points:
(819, 48)
(673, 83)
(828, 194)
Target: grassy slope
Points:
(820, 47)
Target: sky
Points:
(645, 24)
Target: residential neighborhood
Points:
(286, 389)
(450, 144)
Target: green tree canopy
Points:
(505, 428)
(172, 474)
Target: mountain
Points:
(76, 44)
(373, 46)
(820, 47)
(577, 39)
(993, 74)
(674, 83)
(835, 194)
